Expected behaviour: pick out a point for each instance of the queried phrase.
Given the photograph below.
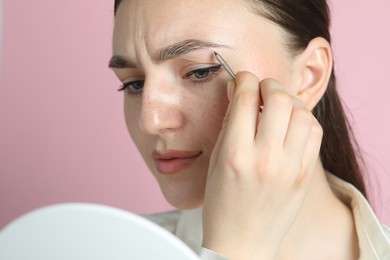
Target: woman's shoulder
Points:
(374, 238)
(167, 219)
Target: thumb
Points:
(231, 86)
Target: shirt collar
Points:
(189, 228)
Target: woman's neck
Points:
(325, 227)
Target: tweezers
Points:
(230, 71)
(224, 65)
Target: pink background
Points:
(62, 133)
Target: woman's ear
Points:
(314, 67)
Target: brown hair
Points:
(304, 20)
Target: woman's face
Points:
(176, 99)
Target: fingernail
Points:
(230, 89)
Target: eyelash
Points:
(126, 87)
(210, 71)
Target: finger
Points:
(221, 136)
(244, 111)
(275, 116)
(312, 151)
(298, 134)
(302, 145)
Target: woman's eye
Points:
(132, 87)
(201, 76)
(203, 73)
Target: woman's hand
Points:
(260, 170)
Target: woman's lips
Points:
(171, 162)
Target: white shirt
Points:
(374, 238)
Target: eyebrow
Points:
(167, 53)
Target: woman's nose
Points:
(161, 111)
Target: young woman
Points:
(262, 166)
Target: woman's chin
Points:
(184, 199)
(184, 190)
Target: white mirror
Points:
(88, 231)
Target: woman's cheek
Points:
(215, 116)
(132, 117)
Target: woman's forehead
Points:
(180, 11)
(168, 21)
